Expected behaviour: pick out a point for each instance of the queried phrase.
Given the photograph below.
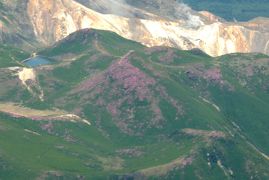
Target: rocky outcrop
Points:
(54, 20)
(35, 23)
(15, 26)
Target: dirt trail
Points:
(207, 101)
(204, 133)
(32, 132)
(19, 111)
(125, 57)
(239, 132)
(166, 65)
(165, 168)
(99, 47)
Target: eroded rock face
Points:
(15, 26)
(54, 20)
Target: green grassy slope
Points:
(156, 113)
(11, 56)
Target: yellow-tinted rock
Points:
(54, 20)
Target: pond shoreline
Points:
(36, 61)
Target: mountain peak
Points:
(190, 30)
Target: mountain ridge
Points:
(157, 112)
(222, 38)
(212, 35)
(85, 103)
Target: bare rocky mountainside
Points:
(152, 23)
(15, 25)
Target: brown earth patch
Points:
(18, 111)
(165, 168)
(130, 152)
(203, 133)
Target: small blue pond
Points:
(36, 61)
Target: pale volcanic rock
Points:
(26, 74)
(55, 19)
(209, 17)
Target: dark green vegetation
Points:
(11, 56)
(156, 113)
(240, 10)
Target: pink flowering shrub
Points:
(91, 83)
(213, 74)
(126, 92)
(199, 71)
(47, 127)
(124, 74)
(113, 109)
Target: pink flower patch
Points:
(47, 127)
(112, 108)
(130, 78)
(213, 74)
